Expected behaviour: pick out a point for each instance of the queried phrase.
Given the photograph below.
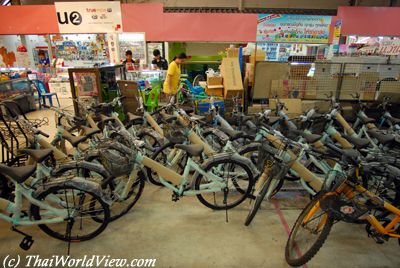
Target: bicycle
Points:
(343, 200)
(207, 179)
(72, 201)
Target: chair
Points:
(41, 89)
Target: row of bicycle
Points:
(352, 177)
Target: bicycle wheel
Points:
(272, 185)
(122, 203)
(161, 156)
(309, 233)
(232, 173)
(82, 206)
(250, 151)
(5, 190)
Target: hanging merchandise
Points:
(81, 49)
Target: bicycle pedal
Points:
(26, 243)
(175, 197)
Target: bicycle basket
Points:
(116, 159)
(175, 133)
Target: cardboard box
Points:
(259, 56)
(215, 91)
(389, 89)
(250, 71)
(367, 85)
(265, 72)
(214, 81)
(349, 88)
(232, 78)
(299, 72)
(310, 90)
(288, 88)
(294, 106)
(232, 52)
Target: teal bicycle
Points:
(69, 209)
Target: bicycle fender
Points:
(219, 133)
(79, 183)
(82, 164)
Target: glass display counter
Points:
(20, 91)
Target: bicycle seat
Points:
(105, 119)
(359, 143)
(310, 138)
(18, 174)
(38, 155)
(134, 118)
(74, 140)
(197, 117)
(89, 131)
(188, 110)
(394, 120)
(176, 138)
(273, 119)
(246, 118)
(169, 118)
(366, 120)
(192, 149)
(381, 137)
(233, 134)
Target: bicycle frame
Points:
(170, 178)
(16, 209)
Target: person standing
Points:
(173, 76)
(159, 62)
(129, 62)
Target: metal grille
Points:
(317, 81)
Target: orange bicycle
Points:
(346, 200)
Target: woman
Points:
(173, 76)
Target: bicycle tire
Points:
(5, 191)
(250, 148)
(245, 194)
(258, 201)
(316, 246)
(139, 182)
(246, 139)
(152, 178)
(35, 212)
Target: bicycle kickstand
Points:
(226, 190)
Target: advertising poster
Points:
(86, 84)
(89, 17)
(336, 32)
(288, 28)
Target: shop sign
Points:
(113, 50)
(391, 47)
(293, 28)
(89, 17)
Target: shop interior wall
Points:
(8, 49)
(370, 21)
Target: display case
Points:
(95, 84)
(145, 75)
(134, 42)
(20, 91)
